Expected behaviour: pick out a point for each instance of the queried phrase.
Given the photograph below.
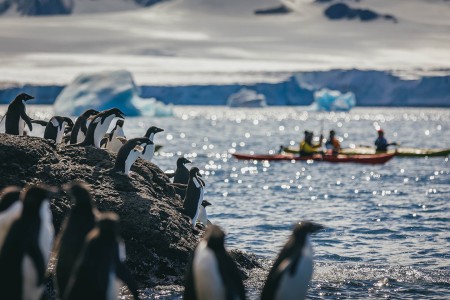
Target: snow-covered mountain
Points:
(223, 42)
(66, 7)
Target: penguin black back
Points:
(77, 225)
(97, 128)
(193, 193)
(100, 258)
(16, 114)
(288, 260)
(181, 173)
(124, 152)
(81, 125)
(202, 266)
(55, 128)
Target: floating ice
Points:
(107, 90)
(246, 98)
(329, 100)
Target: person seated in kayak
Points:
(381, 142)
(332, 144)
(307, 147)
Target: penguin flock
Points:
(89, 252)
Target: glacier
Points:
(106, 90)
(330, 100)
(246, 98)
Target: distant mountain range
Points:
(66, 7)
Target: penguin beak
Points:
(159, 129)
(28, 98)
(206, 203)
(198, 174)
(187, 161)
(316, 227)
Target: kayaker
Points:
(307, 148)
(381, 142)
(332, 143)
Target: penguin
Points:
(181, 175)
(110, 140)
(56, 128)
(293, 269)
(128, 154)
(149, 151)
(77, 225)
(202, 215)
(80, 127)
(98, 127)
(26, 249)
(10, 209)
(100, 263)
(16, 116)
(212, 273)
(194, 195)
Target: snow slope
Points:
(222, 42)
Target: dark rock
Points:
(273, 10)
(341, 11)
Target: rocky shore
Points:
(159, 239)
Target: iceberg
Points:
(246, 98)
(330, 100)
(106, 90)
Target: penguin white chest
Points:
(60, 133)
(30, 289)
(80, 136)
(21, 126)
(101, 129)
(113, 288)
(294, 286)
(7, 217)
(199, 186)
(149, 152)
(134, 154)
(207, 280)
(202, 215)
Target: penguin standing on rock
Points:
(149, 151)
(16, 116)
(128, 154)
(111, 141)
(290, 274)
(10, 209)
(78, 224)
(56, 127)
(181, 175)
(79, 130)
(100, 263)
(98, 127)
(212, 273)
(202, 215)
(194, 195)
(26, 249)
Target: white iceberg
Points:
(246, 98)
(106, 90)
(329, 100)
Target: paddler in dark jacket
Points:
(307, 148)
(333, 143)
(381, 142)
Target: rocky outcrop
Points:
(158, 238)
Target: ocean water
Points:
(387, 232)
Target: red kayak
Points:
(340, 158)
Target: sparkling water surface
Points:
(387, 225)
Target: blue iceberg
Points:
(246, 98)
(106, 90)
(329, 100)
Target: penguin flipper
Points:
(103, 142)
(124, 274)
(40, 122)
(36, 256)
(122, 139)
(27, 120)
